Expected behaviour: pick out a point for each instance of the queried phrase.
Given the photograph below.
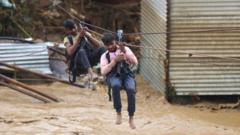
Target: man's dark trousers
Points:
(128, 83)
(89, 58)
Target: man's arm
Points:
(96, 43)
(130, 57)
(105, 66)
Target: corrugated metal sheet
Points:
(153, 19)
(203, 74)
(26, 55)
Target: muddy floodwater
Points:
(86, 112)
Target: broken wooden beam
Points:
(9, 80)
(25, 92)
(41, 75)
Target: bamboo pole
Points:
(41, 75)
(7, 79)
(25, 92)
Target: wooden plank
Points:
(7, 79)
(25, 92)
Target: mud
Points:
(86, 112)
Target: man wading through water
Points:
(84, 54)
(116, 78)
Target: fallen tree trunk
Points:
(25, 92)
(7, 79)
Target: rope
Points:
(190, 54)
(186, 32)
(76, 18)
(148, 33)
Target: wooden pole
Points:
(41, 75)
(25, 92)
(55, 50)
(7, 79)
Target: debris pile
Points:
(42, 19)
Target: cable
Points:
(148, 33)
(72, 16)
(185, 32)
(190, 54)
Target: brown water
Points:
(89, 112)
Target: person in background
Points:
(88, 54)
